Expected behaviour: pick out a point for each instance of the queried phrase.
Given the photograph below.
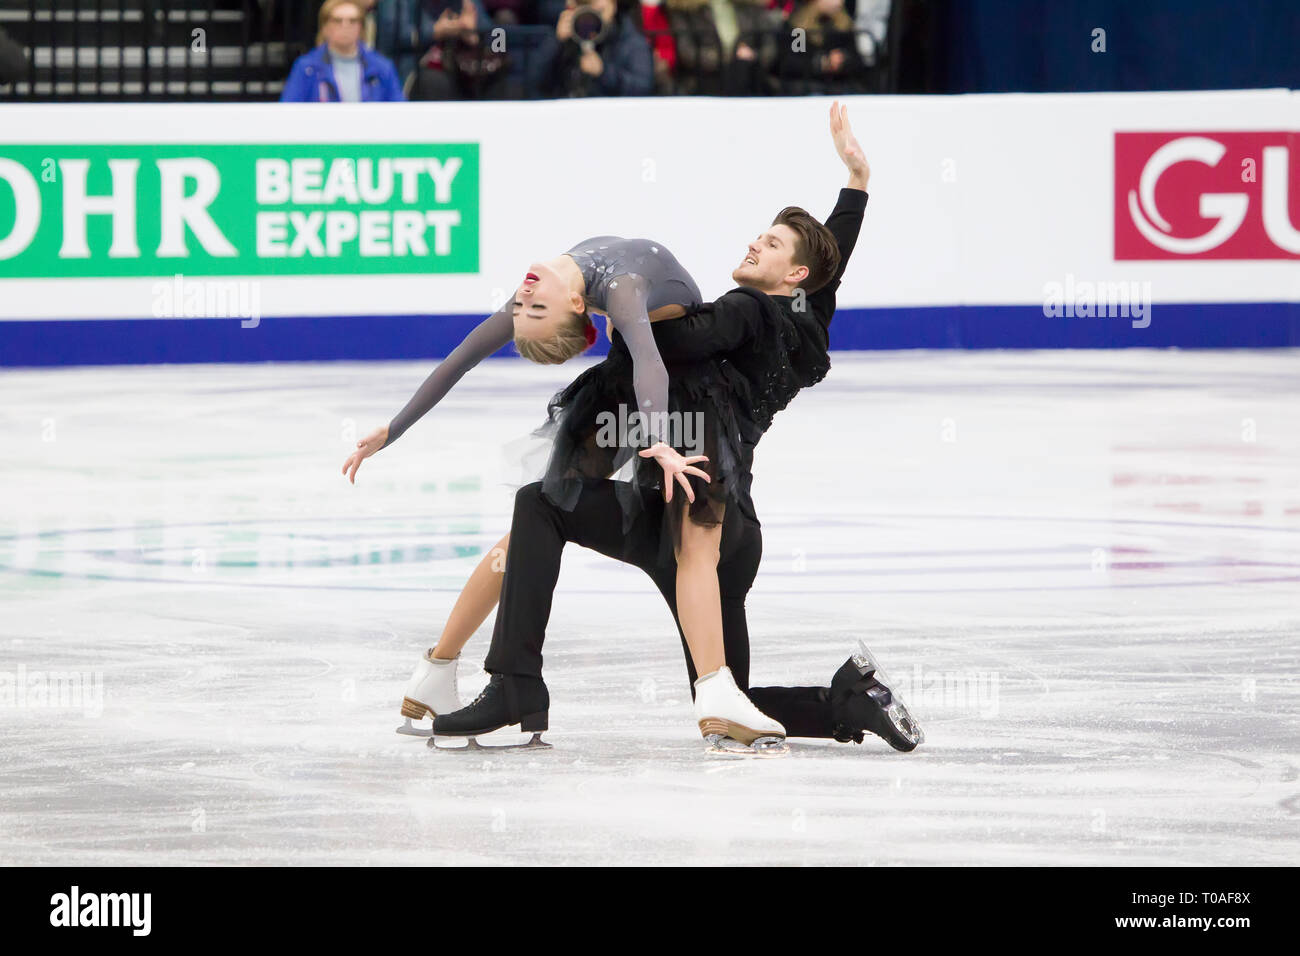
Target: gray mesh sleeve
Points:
(627, 310)
(488, 336)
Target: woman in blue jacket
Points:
(342, 68)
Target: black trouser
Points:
(538, 534)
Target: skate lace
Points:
(742, 699)
(482, 695)
(739, 695)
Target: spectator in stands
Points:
(464, 63)
(443, 48)
(754, 47)
(368, 22)
(821, 54)
(13, 59)
(527, 25)
(398, 35)
(871, 19)
(342, 68)
(699, 48)
(658, 29)
(597, 50)
(726, 46)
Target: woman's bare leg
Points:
(699, 602)
(477, 599)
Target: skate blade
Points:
(729, 730)
(472, 745)
(410, 730)
(896, 710)
(762, 747)
(904, 723)
(866, 662)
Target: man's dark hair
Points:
(814, 246)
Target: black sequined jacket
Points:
(767, 348)
(778, 344)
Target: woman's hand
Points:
(365, 448)
(676, 468)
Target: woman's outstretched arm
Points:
(489, 335)
(627, 313)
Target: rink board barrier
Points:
(334, 338)
(251, 232)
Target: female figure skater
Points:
(631, 282)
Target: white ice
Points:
(1083, 567)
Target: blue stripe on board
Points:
(363, 338)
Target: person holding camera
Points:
(828, 62)
(442, 48)
(751, 68)
(597, 50)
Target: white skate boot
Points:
(731, 723)
(430, 691)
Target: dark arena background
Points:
(1051, 480)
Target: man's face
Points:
(343, 28)
(769, 262)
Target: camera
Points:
(589, 27)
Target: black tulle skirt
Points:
(587, 437)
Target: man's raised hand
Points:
(846, 144)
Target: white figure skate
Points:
(731, 723)
(431, 691)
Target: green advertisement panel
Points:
(80, 211)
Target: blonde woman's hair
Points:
(570, 339)
(327, 10)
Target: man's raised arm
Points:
(725, 323)
(845, 220)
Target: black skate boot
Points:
(507, 699)
(862, 699)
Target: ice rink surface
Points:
(1084, 568)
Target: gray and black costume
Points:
(591, 424)
(758, 350)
